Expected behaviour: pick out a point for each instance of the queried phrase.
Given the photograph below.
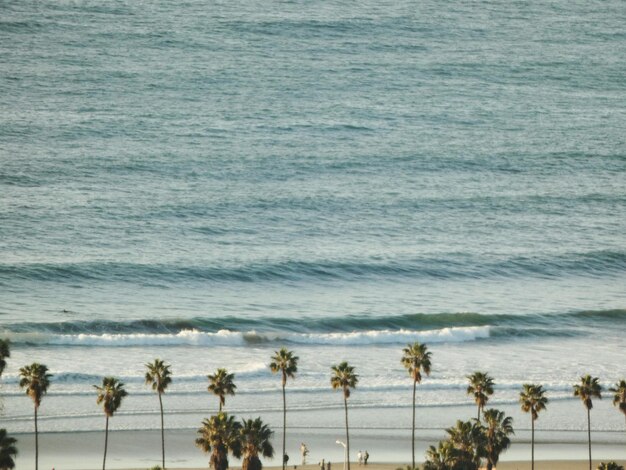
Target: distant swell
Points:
(599, 263)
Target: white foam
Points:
(235, 338)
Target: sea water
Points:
(206, 182)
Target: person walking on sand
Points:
(322, 464)
(366, 456)
(359, 457)
(304, 450)
(328, 465)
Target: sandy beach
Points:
(141, 450)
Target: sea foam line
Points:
(193, 337)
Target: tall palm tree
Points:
(498, 428)
(220, 435)
(587, 389)
(619, 399)
(110, 395)
(286, 363)
(221, 384)
(533, 400)
(36, 380)
(158, 375)
(481, 387)
(416, 359)
(5, 352)
(8, 450)
(344, 378)
(255, 440)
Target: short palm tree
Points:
(221, 384)
(5, 353)
(533, 400)
(498, 428)
(416, 359)
(110, 395)
(344, 378)
(468, 439)
(610, 466)
(220, 435)
(442, 457)
(586, 390)
(255, 440)
(35, 380)
(159, 376)
(481, 387)
(619, 399)
(286, 363)
(8, 450)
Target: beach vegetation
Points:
(417, 360)
(159, 377)
(481, 387)
(255, 441)
(5, 353)
(588, 389)
(8, 450)
(497, 429)
(35, 379)
(442, 457)
(533, 400)
(468, 440)
(619, 396)
(343, 378)
(610, 466)
(221, 383)
(220, 435)
(286, 363)
(110, 395)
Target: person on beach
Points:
(359, 457)
(328, 465)
(323, 465)
(366, 456)
(304, 450)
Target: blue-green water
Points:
(206, 182)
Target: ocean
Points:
(206, 182)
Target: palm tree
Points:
(533, 400)
(442, 457)
(255, 440)
(36, 380)
(610, 466)
(468, 438)
(285, 362)
(587, 389)
(498, 428)
(416, 359)
(5, 352)
(481, 386)
(619, 399)
(8, 450)
(159, 377)
(221, 384)
(110, 395)
(343, 377)
(220, 435)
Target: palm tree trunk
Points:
(413, 429)
(162, 433)
(589, 434)
(478, 417)
(345, 402)
(284, 423)
(532, 443)
(106, 439)
(36, 442)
